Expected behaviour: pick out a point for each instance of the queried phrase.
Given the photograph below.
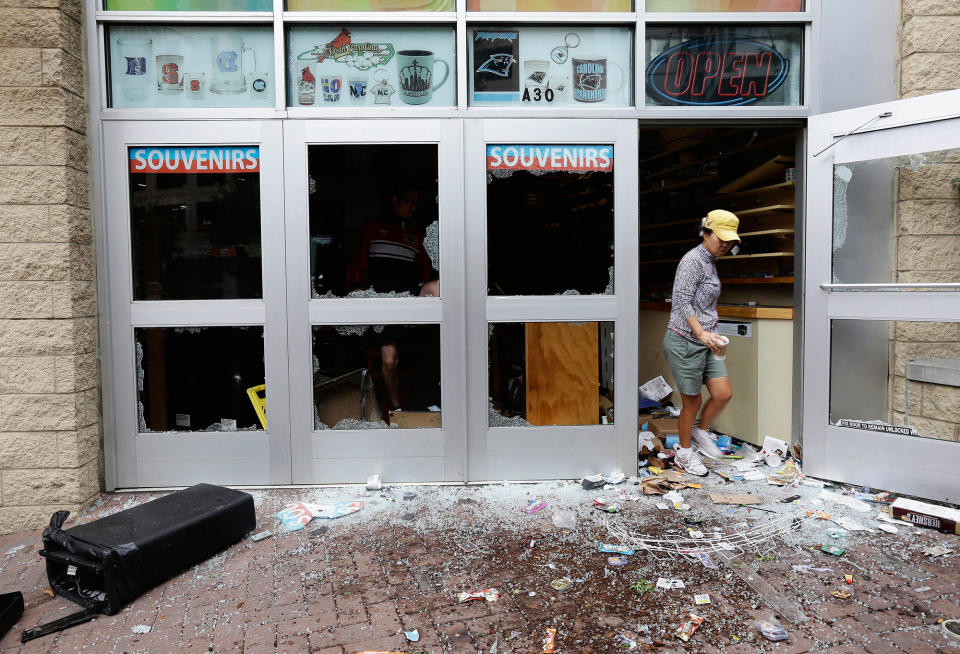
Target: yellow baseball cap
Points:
(722, 223)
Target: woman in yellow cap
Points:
(691, 337)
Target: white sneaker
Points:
(690, 463)
(706, 444)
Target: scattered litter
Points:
(809, 569)
(561, 584)
(626, 640)
(668, 584)
(851, 524)
(49, 592)
(141, 629)
(848, 579)
(789, 473)
(607, 548)
(694, 533)
(295, 516)
(772, 630)
(815, 483)
(744, 498)
(550, 641)
(564, 520)
(409, 495)
(489, 594)
(617, 561)
(832, 549)
(613, 507)
(937, 550)
(701, 599)
(467, 546)
(836, 532)
(674, 497)
(413, 635)
(754, 475)
(706, 561)
(408, 516)
(319, 530)
(845, 500)
(662, 506)
(922, 589)
(927, 515)
(534, 505)
(841, 594)
(614, 478)
(13, 550)
(656, 389)
(374, 483)
(787, 500)
(890, 529)
(688, 627)
(466, 500)
(263, 535)
(592, 481)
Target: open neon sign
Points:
(716, 71)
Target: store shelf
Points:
(759, 255)
(691, 241)
(693, 181)
(769, 313)
(765, 172)
(769, 232)
(686, 221)
(719, 155)
(763, 211)
(754, 281)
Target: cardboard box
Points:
(661, 427)
(422, 419)
(927, 515)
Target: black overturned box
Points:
(109, 562)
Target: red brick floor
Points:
(361, 583)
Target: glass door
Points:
(376, 301)
(882, 296)
(194, 277)
(551, 298)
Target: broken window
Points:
(550, 220)
(550, 373)
(376, 376)
(374, 221)
(195, 235)
(895, 219)
(896, 377)
(199, 378)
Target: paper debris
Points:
(936, 550)
(742, 498)
(141, 629)
(702, 599)
(845, 500)
(668, 584)
(851, 525)
(656, 389)
(754, 475)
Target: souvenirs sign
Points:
(568, 158)
(716, 70)
(195, 160)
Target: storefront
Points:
(312, 214)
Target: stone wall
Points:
(49, 404)
(928, 219)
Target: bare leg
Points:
(720, 394)
(688, 413)
(390, 362)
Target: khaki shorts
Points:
(692, 364)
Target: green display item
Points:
(189, 5)
(832, 549)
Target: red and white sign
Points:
(245, 159)
(550, 157)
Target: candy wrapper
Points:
(550, 641)
(690, 625)
(297, 515)
(615, 549)
(534, 506)
(489, 594)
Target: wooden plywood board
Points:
(563, 373)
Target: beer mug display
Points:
(169, 73)
(227, 77)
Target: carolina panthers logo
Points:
(498, 64)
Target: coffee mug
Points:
(169, 73)
(590, 79)
(194, 83)
(535, 73)
(358, 91)
(415, 68)
(330, 86)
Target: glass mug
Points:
(416, 68)
(590, 78)
(535, 74)
(193, 84)
(330, 86)
(560, 85)
(169, 73)
(358, 91)
(134, 57)
(227, 77)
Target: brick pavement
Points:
(358, 587)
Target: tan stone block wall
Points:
(50, 436)
(929, 46)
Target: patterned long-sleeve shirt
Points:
(695, 291)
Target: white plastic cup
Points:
(723, 348)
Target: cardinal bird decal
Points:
(340, 40)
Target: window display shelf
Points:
(780, 233)
(763, 211)
(727, 311)
(759, 255)
(754, 281)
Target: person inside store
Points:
(391, 258)
(691, 340)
